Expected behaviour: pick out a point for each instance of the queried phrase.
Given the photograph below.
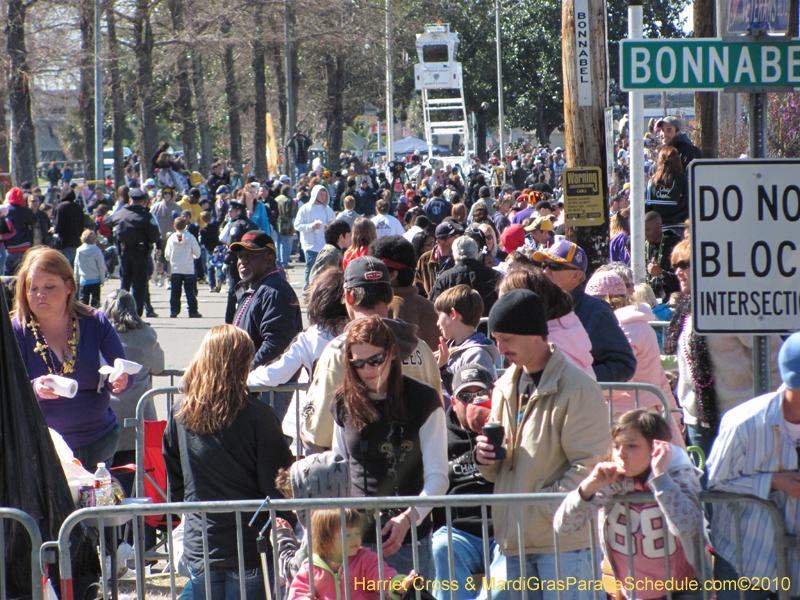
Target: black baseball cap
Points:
(366, 270)
(194, 193)
(237, 204)
(472, 374)
(448, 229)
(254, 240)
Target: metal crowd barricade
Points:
(662, 325)
(32, 528)
(374, 505)
(612, 387)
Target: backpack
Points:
(287, 211)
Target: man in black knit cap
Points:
(556, 427)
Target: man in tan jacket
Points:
(556, 428)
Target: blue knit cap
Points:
(789, 361)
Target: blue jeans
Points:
(280, 402)
(300, 169)
(3, 257)
(311, 258)
(69, 254)
(225, 585)
(403, 560)
(101, 450)
(725, 571)
(577, 564)
(468, 560)
(189, 286)
(704, 439)
(285, 249)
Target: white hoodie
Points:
(181, 250)
(313, 240)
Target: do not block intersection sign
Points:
(745, 235)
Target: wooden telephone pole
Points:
(585, 71)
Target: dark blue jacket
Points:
(272, 318)
(365, 201)
(613, 357)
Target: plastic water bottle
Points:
(104, 491)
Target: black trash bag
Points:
(31, 477)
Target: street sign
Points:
(583, 67)
(771, 16)
(583, 196)
(745, 258)
(706, 64)
(374, 128)
(366, 120)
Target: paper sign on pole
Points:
(745, 260)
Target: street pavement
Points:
(181, 337)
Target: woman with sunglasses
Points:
(391, 429)
(715, 373)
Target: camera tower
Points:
(438, 70)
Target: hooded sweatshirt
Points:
(23, 219)
(181, 250)
(634, 322)
(568, 335)
(316, 427)
(362, 570)
(676, 495)
(313, 240)
(477, 348)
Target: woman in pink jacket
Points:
(634, 320)
(565, 329)
(363, 576)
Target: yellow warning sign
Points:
(583, 196)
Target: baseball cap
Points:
(447, 229)
(512, 237)
(626, 185)
(194, 193)
(285, 179)
(136, 195)
(167, 190)
(540, 224)
(149, 183)
(563, 252)
(254, 240)
(674, 121)
(366, 270)
(237, 204)
(223, 189)
(559, 149)
(472, 374)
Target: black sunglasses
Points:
(682, 264)
(372, 361)
(558, 267)
(474, 397)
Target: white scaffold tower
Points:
(438, 70)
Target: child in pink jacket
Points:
(362, 564)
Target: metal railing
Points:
(32, 528)
(373, 506)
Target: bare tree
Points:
(259, 66)
(177, 10)
(23, 131)
(87, 99)
(143, 49)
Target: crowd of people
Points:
(438, 302)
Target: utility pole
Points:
(636, 153)
(99, 166)
(585, 69)
(290, 116)
(705, 103)
(500, 111)
(389, 87)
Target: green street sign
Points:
(707, 64)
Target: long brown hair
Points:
(669, 164)
(557, 302)
(215, 384)
(364, 233)
(358, 408)
(51, 262)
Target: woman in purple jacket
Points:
(57, 335)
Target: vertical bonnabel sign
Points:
(745, 246)
(582, 53)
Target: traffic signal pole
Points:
(636, 154)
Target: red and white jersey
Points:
(649, 536)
